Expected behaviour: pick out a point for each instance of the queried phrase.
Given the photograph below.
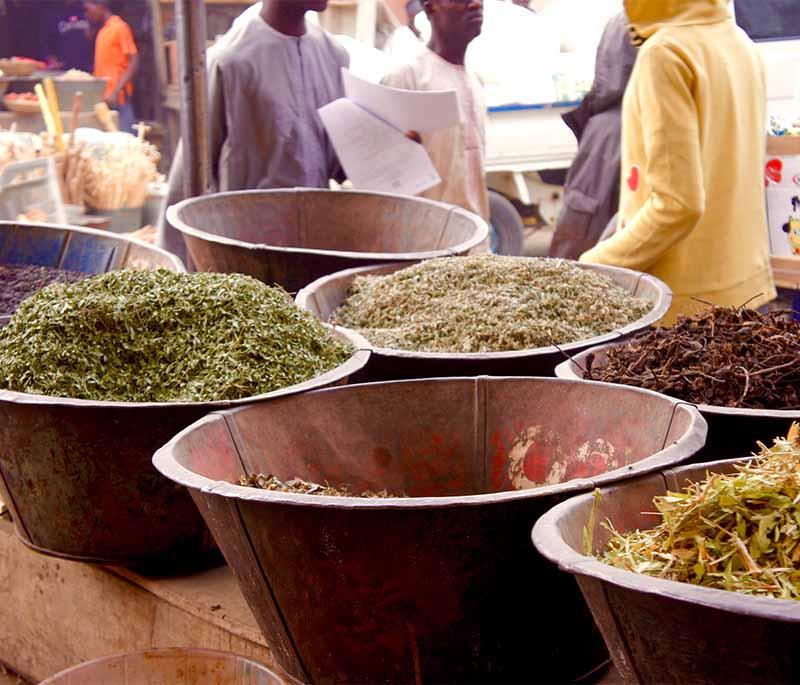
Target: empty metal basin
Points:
(294, 236)
(77, 249)
(325, 295)
(169, 667)
(731, 432)
(78, 478)
(661, 631)
(427, 588)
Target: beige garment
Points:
(459, 152)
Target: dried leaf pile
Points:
(298, 486)
(158, 336)
(738, 532)
(725, 357)
(486, 303)
(20, 282)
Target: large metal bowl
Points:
(661, 631)
(78, 479)
(169, 667)
(77, 249)
(325, 295)
(427, 588)
(731, 432)
(294, 236)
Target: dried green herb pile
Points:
(486, 303)
(158, 336)
(299, 486)
(738, 532)
(18, 282)
(725, 357)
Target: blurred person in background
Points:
(116, 59)
(268, 76)
(692, 208)
(458, 153)
(67, 35)
(591, 193)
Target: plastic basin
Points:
(77, 249)
(78, 479)
(294, 236)
(325, 295)
(424, 588)
(731, 432)
(661, 631)
(169, 667)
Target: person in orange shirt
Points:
(116, 58)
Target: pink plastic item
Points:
(170, 667)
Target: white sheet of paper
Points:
(423, 111)
(374, 155)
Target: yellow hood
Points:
(647, 16)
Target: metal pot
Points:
(324, 296)
(423, 588)
(661, 631)
(293, 236)
(78, 479)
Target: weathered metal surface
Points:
(420, 589)
(732, 433)
(661, 631)
(325, 295)
(174, 666)
(294, 236)
(78, 478)
(77, 249)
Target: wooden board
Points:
(786, 271)
(55, 613)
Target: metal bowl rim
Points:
(660, 308)
(174, 220)
(690, 443)
(566, 371)
(550, 543)
(176, 261)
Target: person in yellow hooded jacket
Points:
(693, 146)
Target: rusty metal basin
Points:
(325, 295)
(169, 667)
(77, 249)
(426, 588)
(731, 432)
(78, 479)
(661, 631)
(294, 236)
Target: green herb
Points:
(299, 486)
(158, 336)
(486, 303)
(738, 532)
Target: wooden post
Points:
(159, 56)
(190, 17)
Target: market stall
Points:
(198, 459)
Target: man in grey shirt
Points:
(591, 194)
(267, 78)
